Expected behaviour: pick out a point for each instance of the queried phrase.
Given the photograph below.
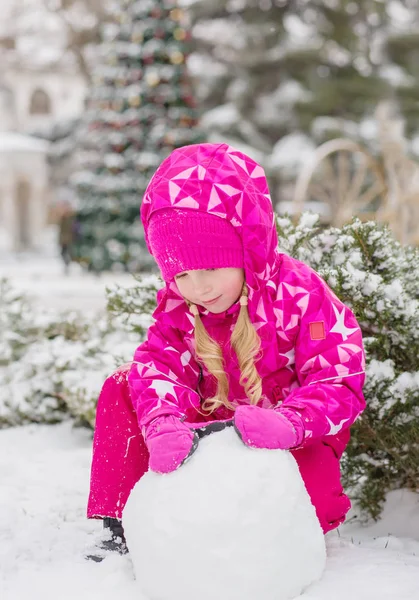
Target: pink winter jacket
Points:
(312, 354)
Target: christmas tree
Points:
(140, 108)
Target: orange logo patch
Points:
(317, 330)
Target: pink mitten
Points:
(267, 428)
(170, 442)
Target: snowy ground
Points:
(42, 276)
(44, 475)
(44, 534)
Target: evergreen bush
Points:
(52, 365)
(378, 278)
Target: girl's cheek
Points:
(179, 287)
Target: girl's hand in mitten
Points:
(170, 442)
(267, 428)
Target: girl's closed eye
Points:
(180, 275)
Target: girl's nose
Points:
(202, 285)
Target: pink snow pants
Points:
(120, 459)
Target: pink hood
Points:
(231, 186)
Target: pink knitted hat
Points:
(187, 240)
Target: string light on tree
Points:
(177, 14)
(152, 79)
(179, 34)
(134, 101)
(177, 58)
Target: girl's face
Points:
(214, 289)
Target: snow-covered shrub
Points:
(133, 306)
(53, 365)
(378, 278)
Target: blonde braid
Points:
(209, 351)
(246, 344)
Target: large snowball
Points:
(233, 523)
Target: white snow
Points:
(43, 530)
(233, 512)
(396, 76)
(222, 116)
(291, 152)
(202, 66)
(42, 33)
(381, 369)
(400, 15)
(288, 207)
(297, 29)
(226, 33)
(44, 534)
(276, 107)
(12, 142)
(394, 290)
(42, 277)
(405, 382)
(322, 126)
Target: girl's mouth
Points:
(209, 302)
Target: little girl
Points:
(242, 333)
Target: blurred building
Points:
(24, 191)
(29, 101)
(40, 86)
(37, 98)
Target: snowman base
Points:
(233, 523)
